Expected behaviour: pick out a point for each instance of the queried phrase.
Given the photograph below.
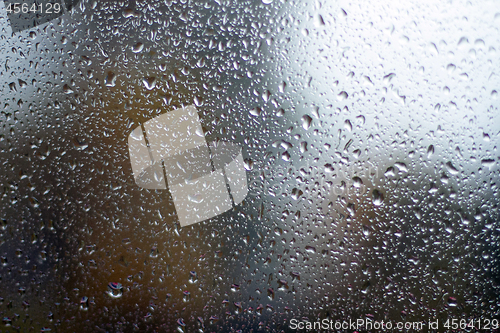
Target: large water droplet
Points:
(451, 168)
(196, 198)
(377, 198)
(256, 112)
(110, 79)
(248, 163)
(149, 82)
(342, 96)
(84, 303)
(306, 122)
(115, 290)
(138, 47)
(357, 182)
(67, 89)
(490, 163)
(430, 151)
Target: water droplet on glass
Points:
(196, 198)
(377, 198)
(366, 230)
(248, 163)
(348, 125)
(138, 47)
(489, 163)
(198, 101)
(386, 79)
(110, 79)
(67, 89)
(310, 249)
(256, 112)
(115, 290)
(306, 122)
(282, 87)
(285, 156)
(357, 182)
(186, 296)
(430, 151)
(342, 96)
(329, 168)
(149, 82)
(318, 21)
(193, 277)
(451, 168)
(154, 252)
(84, 303)
(296, 193)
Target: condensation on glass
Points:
(234, 165)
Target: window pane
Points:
(249, 165)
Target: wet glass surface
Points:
(369, 136)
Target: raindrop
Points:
(342, 96)
(154, 252)
(357, 182)
(248, 163)
(401, 166)
(386, 79)
(285, 156)
(430, 151)
(84, 303)
(377, 198)
(463, 41)
(137, 48)
(296, 193)
(67, 89)
(310, 249)
(256, 112)
(266, 95)
(303, 146)
(130, 13)
(149, 82)
(186, 296)
(198, 101)
(348, 125)
(115, 290)
(110, 79)
(318, 21)
(306, 122)
(366, 230)
(489, 163)
(196, 198)
(329, 168)
(282, 87)
(80, 144)
(451, 168)
(193, 277)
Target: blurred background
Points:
(370, 135)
